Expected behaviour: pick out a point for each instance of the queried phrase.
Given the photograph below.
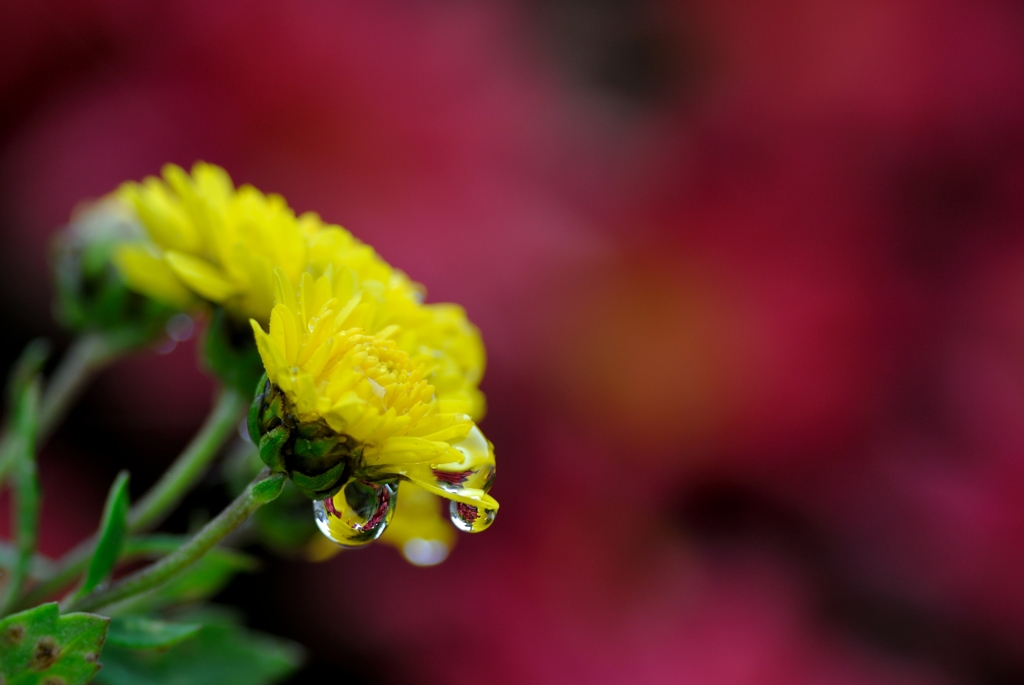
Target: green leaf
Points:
(203, 579)
(41, 647)
(222, 653)
(142, 632)
(113, 528)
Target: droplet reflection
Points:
(358, 514)
(469, 518)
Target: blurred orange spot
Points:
(641, 353)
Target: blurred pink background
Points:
(750, 274)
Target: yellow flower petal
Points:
(201, 276)
(146, 273)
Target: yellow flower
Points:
(212, 242)
(443, 332)
(363, 359)
(367, 387)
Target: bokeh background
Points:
(751, 278)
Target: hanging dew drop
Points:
(358, 514)
(470, 518)
(476, 469)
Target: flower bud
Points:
(317, 459)
(91, 294)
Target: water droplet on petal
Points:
(358, 514)
(476, 470)
(470, 518)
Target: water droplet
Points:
(476, 470)
(425, 552)
(470, 518)
(358, 514)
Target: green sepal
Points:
(271, 447)
(41, 647)
(256, 409)
(313, 449)
(229, 351)
(316, 458)
(268, 489)
(143, 632)
(322, 486)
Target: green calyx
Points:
(317, 459)
(91, 295)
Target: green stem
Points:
(189, 467)
(265, 488)
(87, 355)
(163, 497)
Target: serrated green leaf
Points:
(222, 653)
(143, 632)
(41, 647)
(113, 528)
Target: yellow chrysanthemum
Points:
(362, 359)
(212, 242)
